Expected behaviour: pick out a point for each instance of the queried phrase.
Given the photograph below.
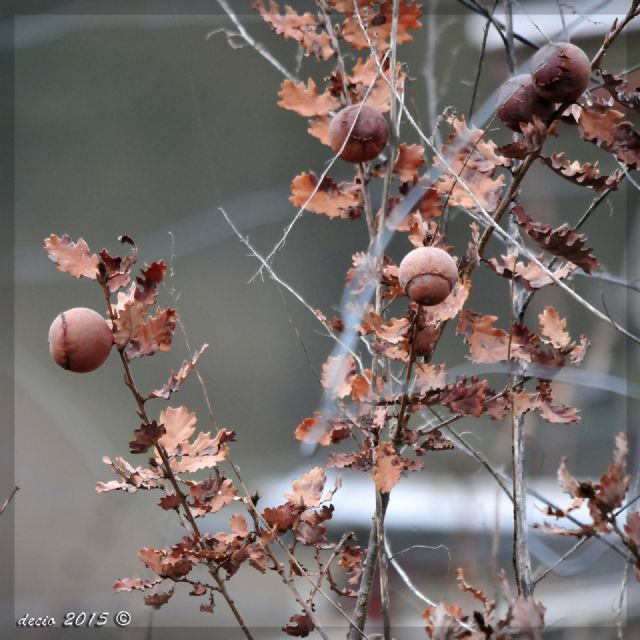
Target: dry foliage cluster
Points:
(385, 374)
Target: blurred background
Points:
(144, 125)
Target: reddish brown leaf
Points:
(135, 584)
(473, 161)
(331, 199)
(72, 257)
(156, 600)
(530, 276)
(176, 379)
(151, 277)
(145, 437)
(307, 491)
(410, 159)
(238, 524)
(305, 100)
(180, 425)
(144, 336)
(561, 241)
(118, 269)
(429, 377)
(619, 90)
(552, 328)
(585, 175)
(133, 478)
(212, 495)
(606, 127)
(301, 28)
(282, 517)
(388, 467)
(319, 128)
(338, 375)
(300, 626)
(379, 25)
(170, 502)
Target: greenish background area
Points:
(145, 125)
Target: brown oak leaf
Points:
(299, 626)
(331, 199)
(338, 375)
(74, 258)
(307, 490)
(176, 379)
(410, 159)
(305, 100)
(585, 175)
(145, 437)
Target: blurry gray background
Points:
(144, 125)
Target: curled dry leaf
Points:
(338, 375)
(135, 584)
(118, 269)
(332, 200)
(473, 161)
(389, 466)
(319, 128)
(176, 379)
(584, 175)
(146, 437)
(619, 90)
(307, 491)
(552, 328)
(562, 241)
(606, 127)
(299, 626)
(305, 100)
(133, 478)
(74, 258)
(410, 159)
(301, 28)
(379, 24)
(212, 495)
(156, 600)
(142, 335)
(530, 276)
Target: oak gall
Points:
(518, 101)
(369, 135)
(561, 72)
(428, 275)
(80, 340)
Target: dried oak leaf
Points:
(379, 25)
(118, 269)
(562, 241)
(442, 622)
(300, 626)
(451, 306)
(478, 594)
(473, 161)
(338, 375)
(72, 257)
(466, 398)
(238, 524)
(171, 501)
(319, 128)
(301, 28)
(584, 175)
(387, 468)
(144, 336)
(618, 88)
(148, 282)
(553, 412)
(283, 517)
(135, 584)
(552, 328)
(176, 379)
(307, 490)
(606, 128)
(156, 600)
(410, 159)
(317, 430)
(145, 437)
(134, 478)
(330, 199)
(352, 560)
(204, 452)
(530, 276)
(213, 494)
(305, 100)
(429, 377)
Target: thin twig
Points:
(9, 499)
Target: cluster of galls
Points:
(560, 74)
